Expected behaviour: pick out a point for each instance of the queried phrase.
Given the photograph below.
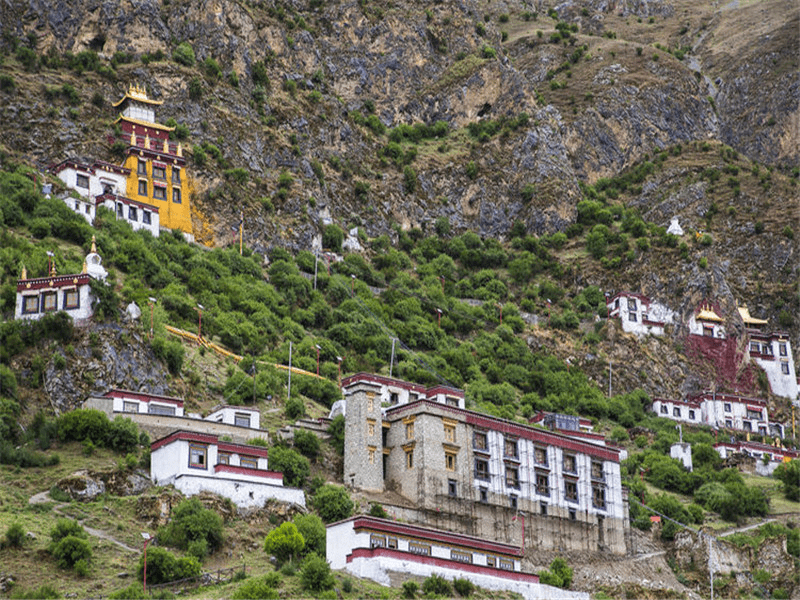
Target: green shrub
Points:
(15, 535)
(7, 83)
(195, 88)
(436, 585)
(377, 510)
(333, 503)
(464, 587)
(315, 574)
(332, 238)
(163, 566)
(294, 466)
(44, 592)
(194, 528)
(284, 542)
(410, 589)
(307, 443)
(789, 475)
(134, 591)
(72, 552)
(409, 179)
(312, 529)
(295, 408)
(255, 589)
(184, 54)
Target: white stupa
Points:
(675, 227)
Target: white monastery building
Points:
(768, 458)
(126, 401)
(772, 351)
(38, 296)
(721, 411)
(638, 314)
(374, 548)
(195, 462)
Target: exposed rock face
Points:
(110, 356)
(85, 486)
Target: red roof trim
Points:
(184, 436)
(442, 563)
(58, 281)
(142, 396)
(243, 449)
(728, 398)
(434, 535)
(248, 471)
(125, 200)
(381, 380)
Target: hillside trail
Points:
(43, 497)
(746, 528)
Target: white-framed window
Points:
(198, 456)
(130, 407)
(241, 419)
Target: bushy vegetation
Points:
(163, 566)
(193, 528)
(559, 574)
(333, 503)
(69, 546)
(284, 542)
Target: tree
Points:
(336, 431)
(184, 54)
(255, 589)
(307, 443)
(315, 574)
(332, 238)
(789, 474)
(333, 503)
(294, 466)
(163, 566)
(193, 528)
(312, 529)
(284, 542)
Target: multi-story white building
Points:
(71, 294)
(104, 184)
(706, 322)
(195, 462)
(685, 411)
(772, 351)
(126, 401)
(768, 458)
(447, 459)
(638, 314)
(374, 548)
(240, 416)
(721, 411)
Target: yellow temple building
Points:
(157, 166)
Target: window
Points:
(392, 543)
(409, 459)
(370, 401)
(542, 484)
(754, 347)
(82, 181)
(540, 456)
(708, 331)
(450, 461)
(506, 564)
(691, 414)
(676, 412)
(248, 461)
(77, 205)
(49, 302)
(72, 299)
(782, 349)
(450, 434)
(452, 488)
(490, 561)
(573, 514)
(664, 409)
(146, 217)
(753, 414)
(727, 407)
(159, 193)
(370, 427)
(409, 430)
(766, 349)
(371, 455)
(512, 477)
(481, 468)
(159, 172)
(510, 448)
(631, 304)
(130, 407)
(728, 423)
(543, 508)
(461, 556)
(747, 426)
(785, 368)
(479, 440)
(176, 175)
(176, 195)
(241, 419)
(121, 208)
(483, 496)
(141, 168)
(632, 316)
(87, 209)
(597, 470)
(223, 458)
(451, 401)
(571, 491)
(512, 502)
(377, 541)
(132, 213)
(197, 456)
(569, 463)
(394, 398)
(142, 187)
(598, 496)
(418, 548)
(160, 409)
(30, 304)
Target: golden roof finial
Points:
(166, 146)
(85, 269)
(147, 141)
(52, 268)
(24, 272)
(133, 138)
(94, 245)
(180, 149)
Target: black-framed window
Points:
(570, 490)
(198, 456)
(82, 181)
(511, 447)
(570, 463)
(133, 214)
(512, 476)
(542, 484)
(452, 488)
(49, 301)
(159, 172)
(30, 304)
(72, 299)
(143, 187)
(481, 468)
(479, 440)
(599, 496)
(159, 193)
(146, 217)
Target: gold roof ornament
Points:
(708, 314)
(744, 312)
(137, 93)
(24, 272)
(180, 149)
(94, 245)
(133, 138)
(147, 141)
(166, 146)
(52, 268)
(85, 268)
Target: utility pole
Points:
(609, 379)
(316, 261)
(289, 392)
(254, 380)
(391, 363)
(711, 564)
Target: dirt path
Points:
(43, 497)
(747, 528)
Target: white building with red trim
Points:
(374, 548)
(705, 321)
(775, 455)
(772, 351)
(197, 462)
(240, 416)
(683, 410)
(639, 314)
(104, 184)
(445, 459)
(126, 401)
(72, 294)
(718, 410)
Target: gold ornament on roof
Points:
(85, 269)
(147, 142)
(94, 244)
(24, 272)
